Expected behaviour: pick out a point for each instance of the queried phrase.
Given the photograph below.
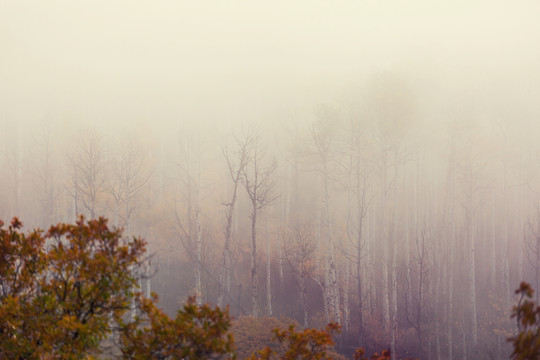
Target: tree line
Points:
(359, 215)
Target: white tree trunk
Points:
(268, 269)
(385, 243)
(472, 262)
(254, 275)
(505, 262)
(450, 262)
(333, 291)
(198, 270)
(394, 264)
(493, 256)
(346, 309)
(304, 300)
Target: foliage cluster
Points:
(61, 291)
(252, 334)
(527, 313)
(197, 332)
(64, 291)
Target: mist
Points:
(395, 144)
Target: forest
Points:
(348, 221)
(376, 166)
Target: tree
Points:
(130, 175)
(323, 133)
(533, 250)
(88, 176)
(197, 332)
(189, 227)
(527, 313)
(62, 293)
(306, 344)
(251, 334)
(358, 206)
(257, 180)
(416, 311)
(45, 175)
(236, 170)
(60, 289)
(300, 253)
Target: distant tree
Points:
(88, 174)
(416, 310)
(258, 182)
(45, 174)
(14, 153)
(533, 250)
(236, 165)
(300, 252)
(187, 223)
(323, 137)
(130, 175)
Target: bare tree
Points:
(358, 205)
(88, 174)
(130, 176)
(300, 252)
(46, 177)
(323, 133)
(416, 311)
(257, 180)
(236, 165)
(470, 205)
(268, 265)
(14, 153)
(187, 222)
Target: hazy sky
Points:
(161, 61)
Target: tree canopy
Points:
(62, 290)
(65, 290)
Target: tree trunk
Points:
(303, 297)
(333, 291)
(254, 276)
(268, 274)
(394, 260)
(346, 310)
(505, 263)
(359, 279)
(385, 243)
(198, 269)
(225, 276)
(472, 262)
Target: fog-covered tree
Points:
(88, 173)
(257, 178)
(237, 161)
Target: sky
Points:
(123, 63)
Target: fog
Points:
(399, 141)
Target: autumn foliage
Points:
(527, 313)
(197, 332)
(306, 344)
(61, 290)
(65, 291)
(253, 334)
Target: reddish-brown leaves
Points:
(59, 291)
(197, 332)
